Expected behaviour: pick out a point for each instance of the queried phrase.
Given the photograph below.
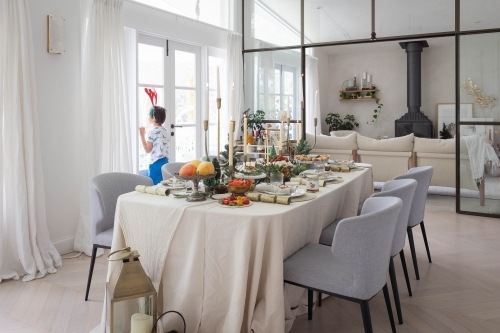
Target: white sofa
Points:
(392, 157)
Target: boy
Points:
(157, 142)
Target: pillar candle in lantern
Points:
(141, 323)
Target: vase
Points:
(276, 178)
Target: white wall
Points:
(58, 95)
(388, 70)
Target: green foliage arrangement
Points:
(211, 182)
(376, 112)
(302, 148)
(272, 152)
(254, 120)
(445, 133)
(335, 123)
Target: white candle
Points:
(298, 130)
(364, 75)
(245, 134)
(231, 141)
(281, 138)
(141, 323)
(368, 79)
(218, 83)
(206, 104)
(316, 105)
(232, 102)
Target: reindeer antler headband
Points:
(153, 96)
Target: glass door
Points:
(173, 70)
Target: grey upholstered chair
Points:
(168, 170)
(355, 267)
(423, 177)
(104, 192)
(403, 189)
(204, 158)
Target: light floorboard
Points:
(459, 292)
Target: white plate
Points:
(363, 165)
(299, 192)
(221, 196)
(240, 175)
(224, 206)
(176, 187)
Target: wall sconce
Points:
(55, 34)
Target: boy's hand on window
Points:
(142, 131)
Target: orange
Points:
(188, 170)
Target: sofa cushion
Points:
(333, 143)
(404, 143)
(341, 133)
(437, 146)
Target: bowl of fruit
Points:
(240, 186)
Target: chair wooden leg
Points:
(365, 312)
(92, 262)
(425, 241)
(405, 270)
(395, 292)
(320, 296)
(413, 253)
(389, 308)
(310, 294)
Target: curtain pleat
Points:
(105, 120)
(25, 246)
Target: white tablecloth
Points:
(224, 267)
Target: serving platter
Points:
(227, 206)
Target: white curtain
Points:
(25, 246)
(234, 75)
(105, 144)
(312, 94)
(266, 74)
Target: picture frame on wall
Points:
(446, 115)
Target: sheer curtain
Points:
(265, 82)
(105, 126)
(25, 246)
(234, 74)
(312, 94)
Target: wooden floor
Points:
(458, 292)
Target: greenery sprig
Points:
(376, 112)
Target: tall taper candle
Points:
(218, 83)
(281, 138)
(297, 126)
(206, 105)
(364, 75)
(231, 142)
(316, 105)
(369, 78)
(245, 134)
(232, 103)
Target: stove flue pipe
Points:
(414, 73)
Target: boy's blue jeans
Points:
(155, 170)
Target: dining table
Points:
(222, 267)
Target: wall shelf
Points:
(357, 99)
(357, 91)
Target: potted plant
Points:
(335, 123)
(254, 120)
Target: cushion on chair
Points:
(168, 170)
(403, 143)
(314, 265)
(104, 238)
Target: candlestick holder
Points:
(205, 128)
(288, 148)
(315, 125)
(195, 195)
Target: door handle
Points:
(172, 126)
(172, 133)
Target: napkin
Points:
(152, 190)
(272, 188)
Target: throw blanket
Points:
(479, 154)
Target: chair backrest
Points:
(363, 245)
(403, 189)
(168, 170)
(423, 177)
(104, 192)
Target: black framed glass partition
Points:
(273, 29)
